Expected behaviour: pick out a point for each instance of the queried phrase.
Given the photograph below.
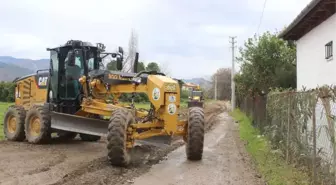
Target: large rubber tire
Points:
(118, 153)
(87, 137)
(14, 123)
(39, 116)
(66, 136)
(195, 134)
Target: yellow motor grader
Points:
(78, 95)
(196, 97)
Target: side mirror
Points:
(136, 62)
(120, 50)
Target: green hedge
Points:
(7, 90)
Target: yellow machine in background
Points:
(72, 96)
(196, 97)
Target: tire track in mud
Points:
(58, 159)
(23, 163)
(143, 157)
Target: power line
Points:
(262, 15)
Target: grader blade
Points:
(96, 127)
(79, 124)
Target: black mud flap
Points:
(195, 104)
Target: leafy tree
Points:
(153, 66)
(11, 92)
(7, 90)
(112, 66)
(4, 94)
(184, 95)
(1, 92)
(141, 66)
(266, 62)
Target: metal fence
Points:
(300, 126)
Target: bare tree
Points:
(132, 49)
(223, 84)
(164, 68)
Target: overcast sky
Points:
(190, 38)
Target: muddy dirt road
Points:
(77, 162)
(224, 162)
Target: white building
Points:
(314, 31)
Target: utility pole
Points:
(233, 93)
(215, 86)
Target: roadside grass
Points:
(271, 165)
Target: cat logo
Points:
(42, 81)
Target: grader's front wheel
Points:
(14, 123)
(195, 134)
(118, 153)
(37, 125)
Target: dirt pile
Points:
(212, 110)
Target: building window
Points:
(329, 50)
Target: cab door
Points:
(73, 71)
(54, 75)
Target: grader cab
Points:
(77, 95)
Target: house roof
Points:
(311, 16)
(189, 85)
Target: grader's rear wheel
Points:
(14, 123)
(37, 125)
(195, 134)
(118, 153)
